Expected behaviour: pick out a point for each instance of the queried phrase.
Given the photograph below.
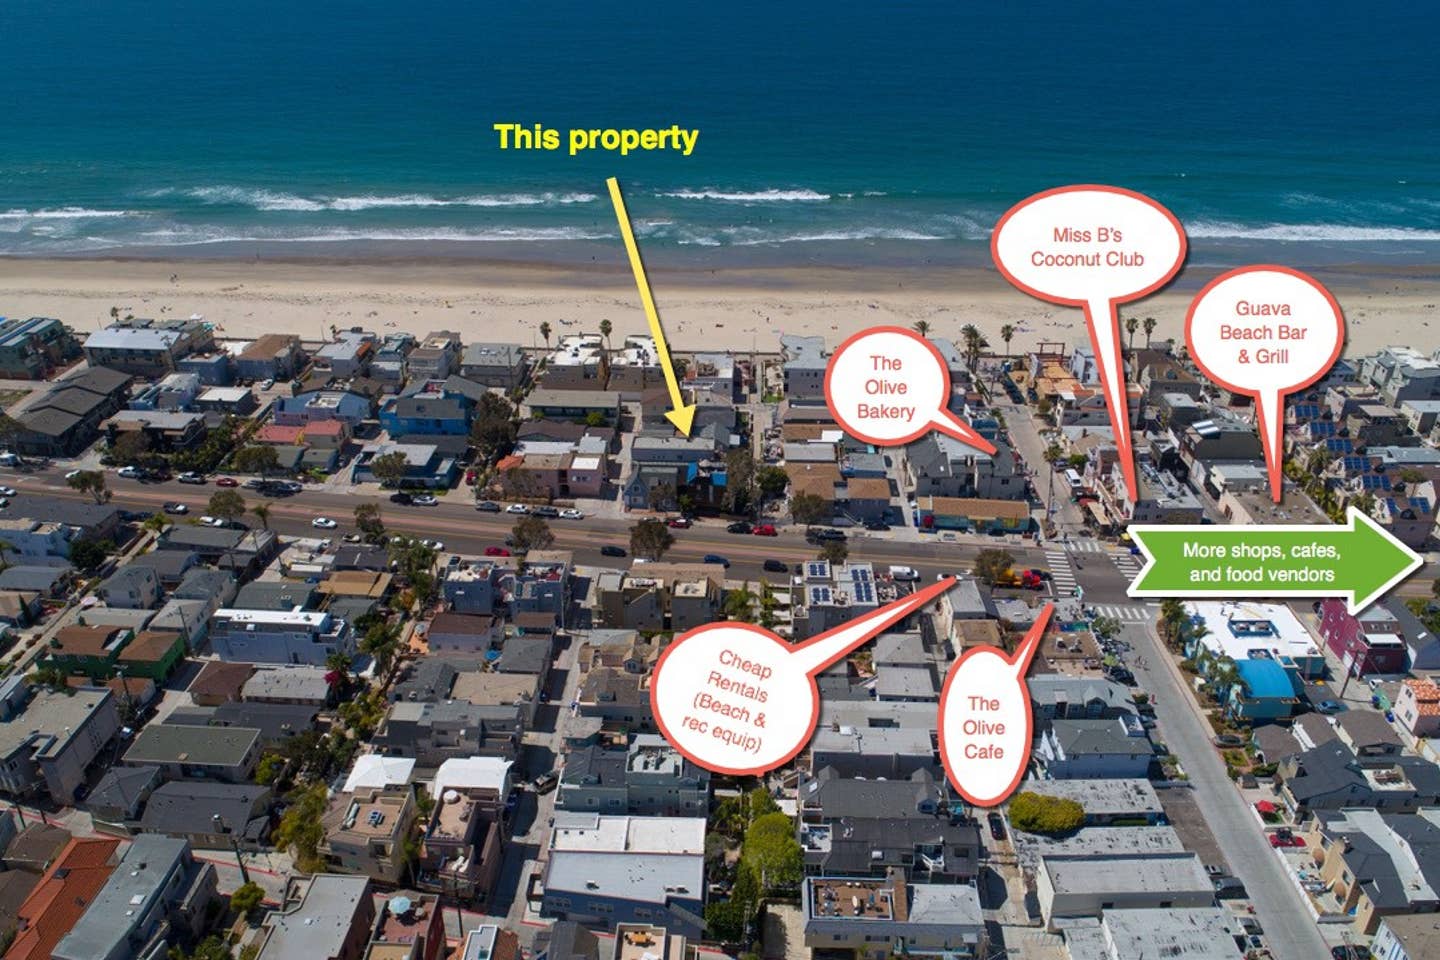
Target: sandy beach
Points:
(741, 308)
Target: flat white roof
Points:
(309, 618)
(371, 770)
(1238, 629)
(618, 834)
(470, 773)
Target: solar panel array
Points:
(1375, 481)
(1340, 445)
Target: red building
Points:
(1373, 642)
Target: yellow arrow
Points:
(681, 413)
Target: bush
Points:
(1033, 813)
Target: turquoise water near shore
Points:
(826, 129)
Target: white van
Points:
(8, 459)
(904, 573)
(1077, 485)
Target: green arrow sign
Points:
(1359, 561)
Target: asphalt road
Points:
(1289, 928)
(465, 530)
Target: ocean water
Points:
(829, 132)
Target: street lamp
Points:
(220, 827)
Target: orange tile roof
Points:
(279, 433)
(54, 906)
(325, 428)
(1427, 697)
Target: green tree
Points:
(262, 513)
(246, 898)
(338, 666)
(1172, 620)
(833, 551)
(771, 481)
(390, 468)
(300, 830)
(226, 504)
(1149, 327)
(974, 346)
(88, 555)
(545, 332)
(129, 449)
(1131, 325)
(369, 523)
(595, 418)
(1007, 333)
(921, 327)
(808, 508)
(739, 476)
(268, 770)
(1104, 627)
(259, 458)
(211, 948)
(381, 641)
(91, 482)
(650, 538)
(740, 606)
(661, 496)
(10, 428)
(532, 533)
(605, 327)
(1035, 813)
(772, 853)
(991, 564)
(493, 428)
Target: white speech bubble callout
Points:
(1265, 331)
(890, 386)
(737, 699)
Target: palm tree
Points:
(605, 328)
(1316, 462)
(1149, 327)
(974, 344)
(262, 511)
(1131, 325)
(1007, 333)
(545, 332)
(1173, 616)
(921, 327)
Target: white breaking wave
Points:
(64, 213)
(1306, 232)
(757, 196)
(270, 200)
(192, 237)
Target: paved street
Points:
(1289, 928)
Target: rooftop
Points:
(1166, 872)
(193, 745)
(1241, 630)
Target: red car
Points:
(1288, 840)
(471, 476)
(496, 552)
(680, 523)
(765, 530)
(227, 482)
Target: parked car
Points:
(1230, 888)
(176, 508)
(353, 538)
(1354, 951)
(130, 473)
(1285, 840)
(764, 530)
(496, 552)
(775, 566)
(226, 482)
(876, 525)
(739, 526)
(517, 508)
(72, 474)
(488, 506)
(424, 500)
(610, 550)
(571, 514)
(1329, 706)
(471, 476)
(323, 523)
(7, 491)
(436, 545)
(1229, 740)
(997, 826)
(254, 483)
(549, 513)
(680, 523)
(822, 534)
(208, 521)
(715, 558)
(402, 498)
(191, 477)
(546, 782)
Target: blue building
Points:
(1264, 690)
(426, 415)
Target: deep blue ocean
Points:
(1312, 128)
